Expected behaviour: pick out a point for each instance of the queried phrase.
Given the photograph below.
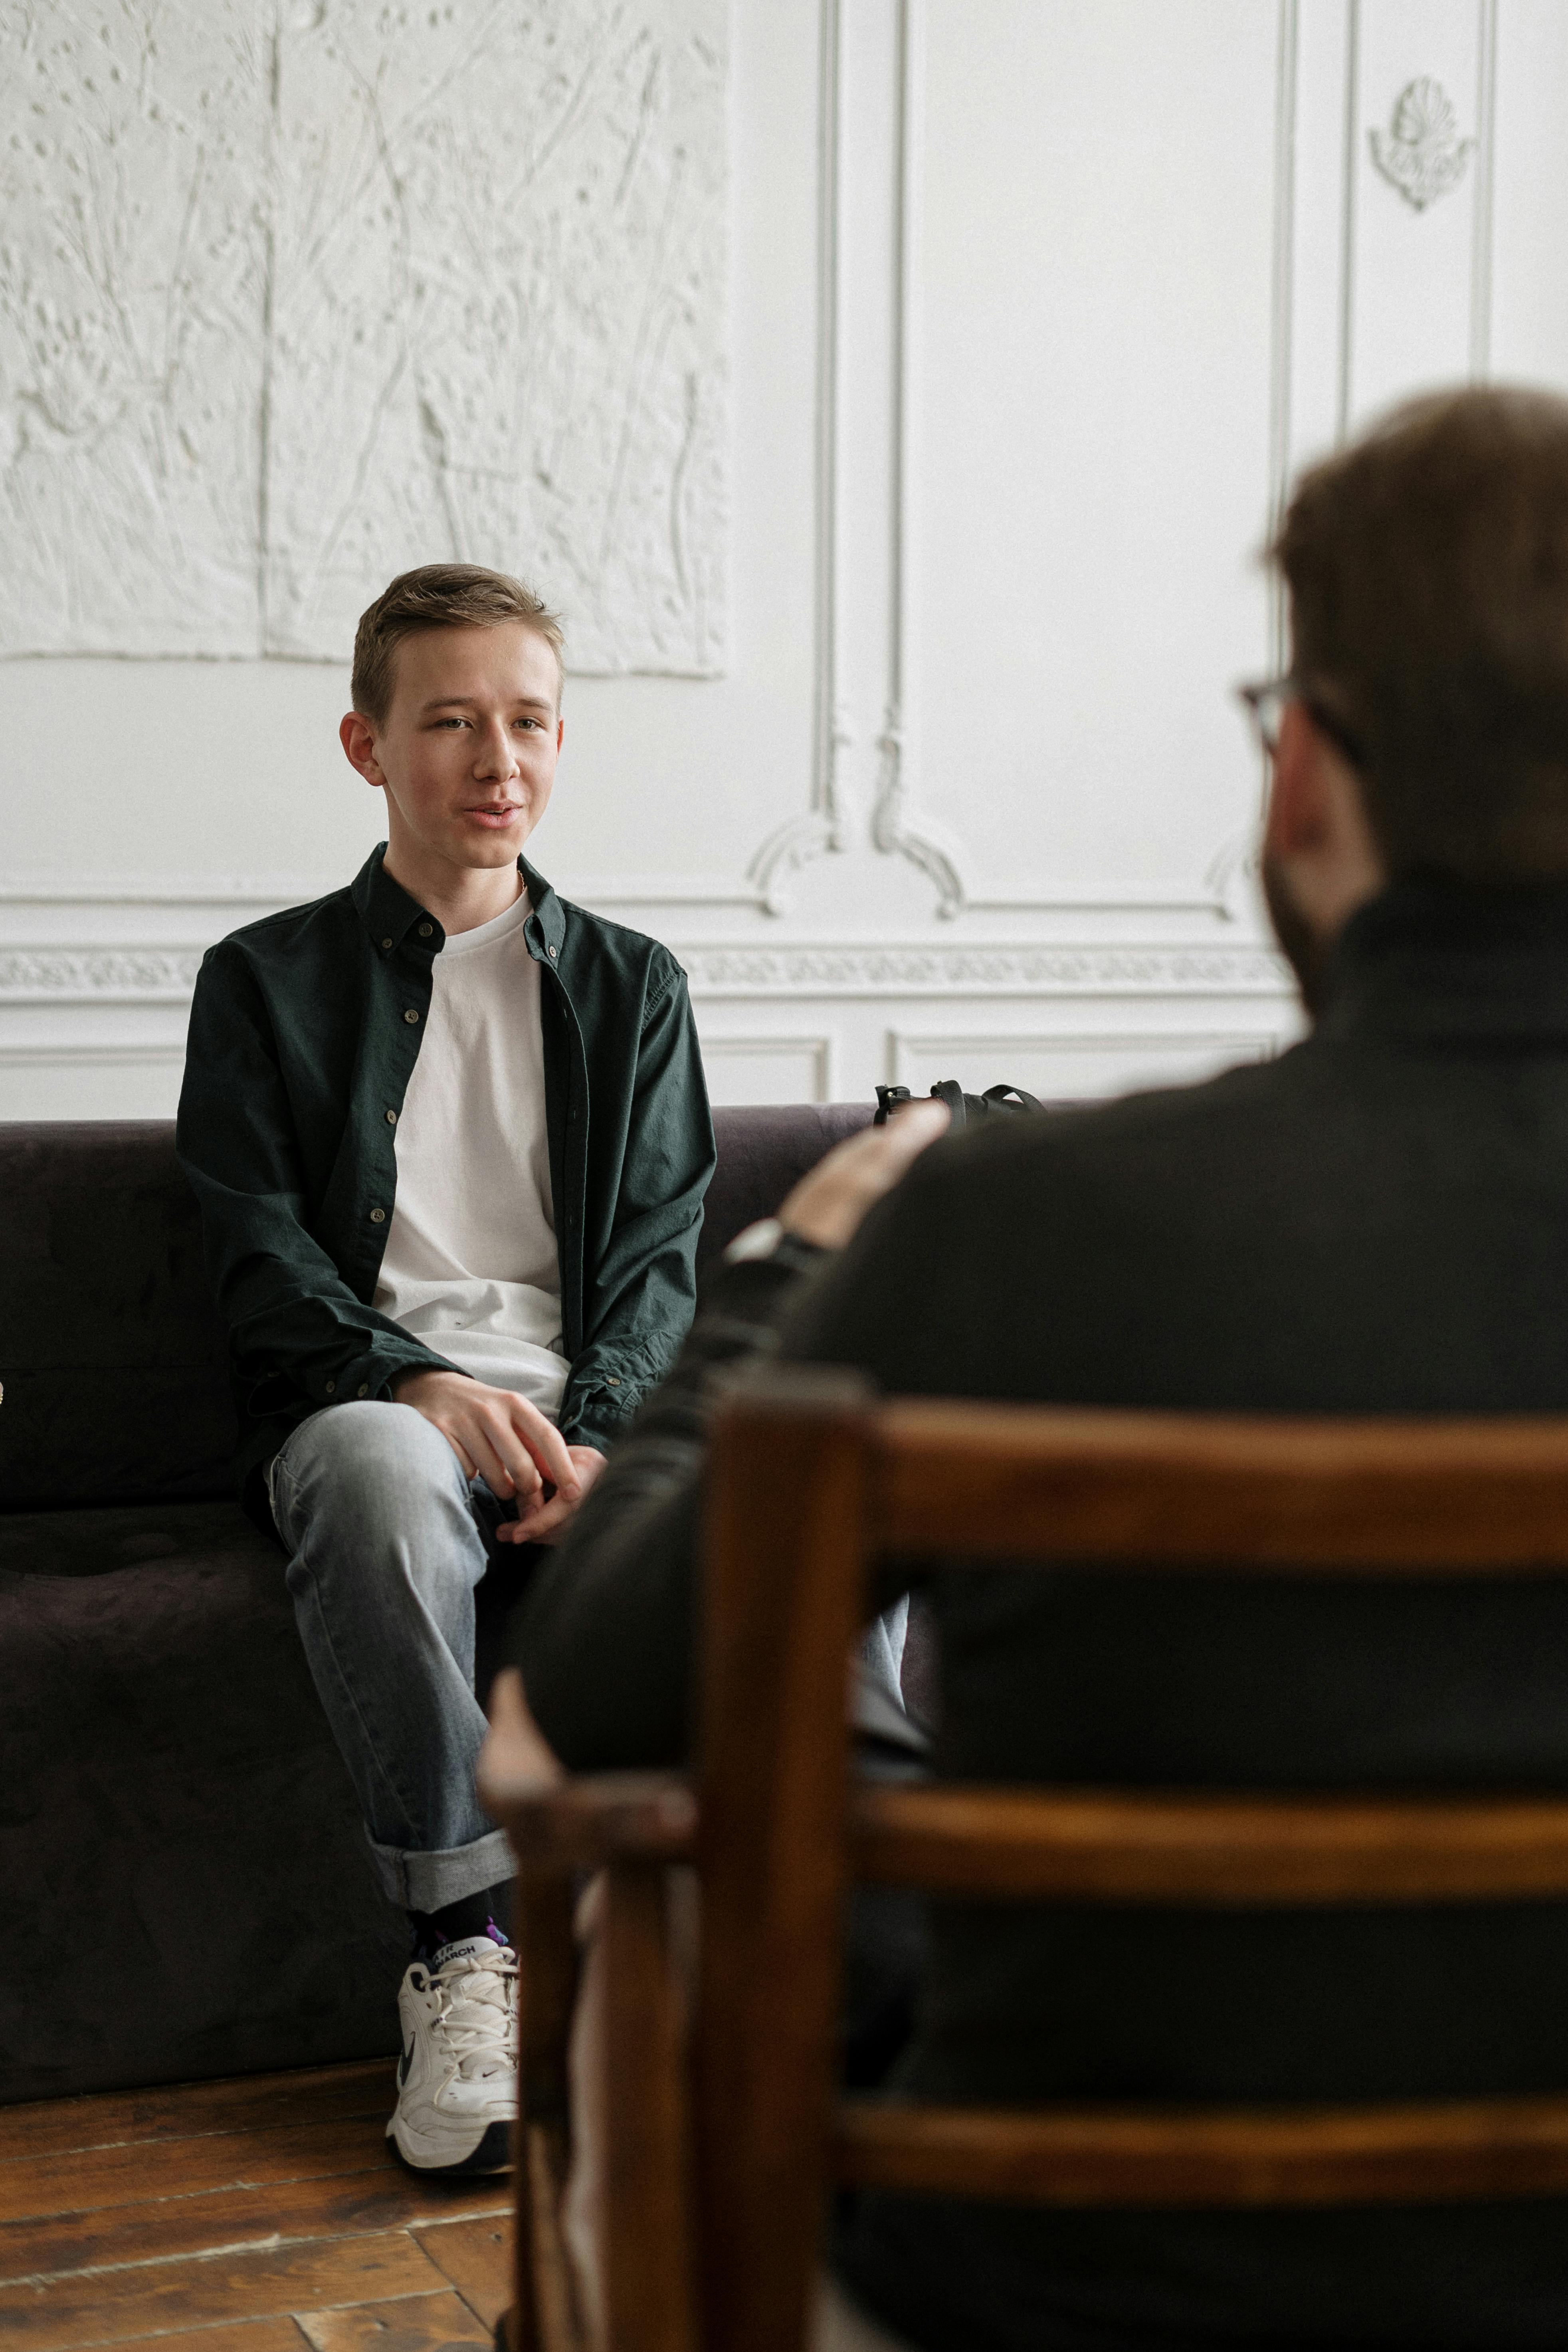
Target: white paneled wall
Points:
(1035, 307)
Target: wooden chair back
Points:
(810, 1484)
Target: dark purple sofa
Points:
(187, 1888)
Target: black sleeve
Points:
(607, 1636)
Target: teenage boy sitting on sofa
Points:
(450, 1138)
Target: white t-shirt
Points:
(470, 1266)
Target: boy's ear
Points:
(358, 738)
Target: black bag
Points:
(962, 1107)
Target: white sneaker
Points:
(457, 2079)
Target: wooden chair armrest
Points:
(593, 1818)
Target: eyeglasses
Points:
(1266, 706)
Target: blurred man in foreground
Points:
(1377, 1222)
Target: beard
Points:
(1303, 950)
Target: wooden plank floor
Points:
(261, 2215)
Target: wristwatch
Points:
(768, 1239)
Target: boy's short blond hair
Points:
(440, 596)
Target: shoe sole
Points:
(492, 2153)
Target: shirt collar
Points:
(1432, 960)
(388, 913)
(549, 917)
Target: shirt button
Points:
(378, 1216)
(364, 1389)
(386, 943)
(610, 1384)
(331, 1388)
(411, 1016)
(551, 955)
(425, 929)
(391, 1118)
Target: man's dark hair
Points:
(1428, 570)
(439, 596)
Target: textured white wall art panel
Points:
(499, 286)
(297, 293)
(131, 290)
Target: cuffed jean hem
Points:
(428, 1882)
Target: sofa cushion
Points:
(111, 1355)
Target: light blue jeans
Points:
(388, 1541)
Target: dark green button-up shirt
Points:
(304, 1032)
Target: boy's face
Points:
(466, 752)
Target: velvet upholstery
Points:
(189, 1890)
(109, 1351)
(762, 1151)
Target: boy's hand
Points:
(827, 1204)
(542, 1521)
(496, 1436)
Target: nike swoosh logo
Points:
(404, 2062)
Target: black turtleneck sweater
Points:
(1376, 1221)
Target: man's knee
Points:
(381, 1469)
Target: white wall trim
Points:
(1482, 194)
(266, 895)
(150, 975)
(124, 1052)
(1349, 162)
(166, 975)
(898, 829)
(718, 1043)
(1283, 309)
(1023, 970)
(294, 890)
(148, 890)
(899, 826)
(905, 1046)
(824, 823)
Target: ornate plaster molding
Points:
(1421, 153)
(167, 975)
(928, 845)
(94, 975)
(862, 971)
